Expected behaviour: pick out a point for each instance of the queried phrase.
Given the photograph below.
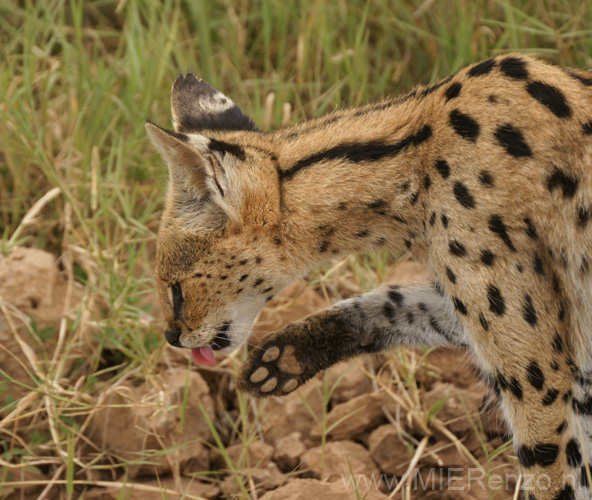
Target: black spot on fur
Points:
(514, 67)
(444, 220)
(258, 282)
(427, 182)
(512, 140)
(550, 397)
(530, 229)
(581, 407)
(566, 493)
(457, 248)
(496, 301)
(258, 260)
(460, 306)
(585, 266)
(512, 385)
(267, 290)
(487, 257)
(535, 375)
(450, 275)
(396, 296)
(584, 481)
(414, 198)
(587, 128)
(551, 97)
(482, 68)
(363, 234)
(355, 152)
(453, 91)
(538, 265)
(485, 178)
(442, 167)
(562, 427)
(573, 454)
(584, 217)
(243, 277)
(483, 322)
(324, 246)
(582, 79)
(432, 219)
(554, 365)
(377, 204)
(543, 454)
(529, 311)
(558, 343)
(463, 196)
(388, 310)
(497, 226)
(410, 318)
(464, 125)
(559, 179)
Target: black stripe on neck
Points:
(356, 152)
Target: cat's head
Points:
(219, 254)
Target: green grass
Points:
(77, 81)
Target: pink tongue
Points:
(203, 356)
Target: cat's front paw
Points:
(272, 369)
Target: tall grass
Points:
(77, 80)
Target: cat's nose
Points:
(172, 337)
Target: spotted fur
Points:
(484, 177)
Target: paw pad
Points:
(271, 354)
(259, 374)
(272, 370)
(270, 385)
(288, 363)
(290, 385)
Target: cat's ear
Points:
(197, 106)
(195, 170)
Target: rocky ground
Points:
(419, 425)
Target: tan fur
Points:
(283, 225)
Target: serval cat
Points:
(484, 177)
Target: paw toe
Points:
(290, 385)
(259, 375)
(270, 385)
(271, 354)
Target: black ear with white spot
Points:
(196, 106)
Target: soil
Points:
(380, 411)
